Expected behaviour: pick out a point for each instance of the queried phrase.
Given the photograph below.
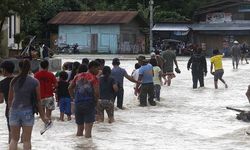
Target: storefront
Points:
(214, 26)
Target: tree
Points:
(36, 22)
(169, 10)
(11, 7)
(169, 16)
(144, 11)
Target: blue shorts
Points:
(23, 117)
(218, 74)
(65, 105)
(84, 112)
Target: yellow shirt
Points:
(217, 61)
(156, 78)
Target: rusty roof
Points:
(94, 17)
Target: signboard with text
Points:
(218, 17)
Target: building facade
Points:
(214, 26)
(218, 24)
(10, 28)
(101, 31)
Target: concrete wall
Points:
(54, 64)
(15, 28)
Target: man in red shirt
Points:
(48, 83)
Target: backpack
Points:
(84, 91)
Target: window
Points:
(10, 27)
(14, 24)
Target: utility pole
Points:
(151, 3)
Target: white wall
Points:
(13, 26)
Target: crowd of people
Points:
(93, 88)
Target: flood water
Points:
(184, 119)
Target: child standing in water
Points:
(157, 78)
(63, 96)
(135, 75)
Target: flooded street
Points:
(184, 119)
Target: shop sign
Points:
(218, 17)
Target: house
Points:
(215, 25)
(218, 24)
(101, 31)
(10, 28)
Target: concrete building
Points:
(101, 31)
(10, 28)
(218, 24)
(215, 25)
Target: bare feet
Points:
(101, 120)
(61, 119)
(111, 120)
(165, 82)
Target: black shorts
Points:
(84, 112)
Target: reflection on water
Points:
(184, 119)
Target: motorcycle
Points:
(63, 48)
(67, 49)
(74, 49)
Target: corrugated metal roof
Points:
(93, 17)
(233, 26)
(171, 27)
(221, 27)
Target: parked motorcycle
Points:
(63, 48)
(74, 49)
(67, 49)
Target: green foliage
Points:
(176, 10)
(11, 7)
(36, 22)
(101, 5)
(114, 6)
(143, 10)
(168, 16)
